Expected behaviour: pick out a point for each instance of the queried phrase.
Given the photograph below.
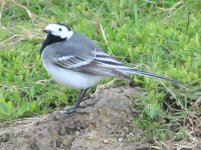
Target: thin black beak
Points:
(47, 31)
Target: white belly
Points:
(72, 78)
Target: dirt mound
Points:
(104, 121)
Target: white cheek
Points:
(56, 33)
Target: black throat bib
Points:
(49, 40)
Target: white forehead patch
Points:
(59, 30)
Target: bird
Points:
(76, 61)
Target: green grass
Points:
(163, 37)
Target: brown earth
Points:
(104, 122)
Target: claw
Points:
(68, 111)
(73, 109)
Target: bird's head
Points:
(58, 30)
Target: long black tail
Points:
(128, 70)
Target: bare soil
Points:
(104, 122)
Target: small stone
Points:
(105, 141)
(77, 133)
(65, 142)
(120, 139)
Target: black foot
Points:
(68, 111)
(73, 109)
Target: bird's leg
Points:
(77, 104)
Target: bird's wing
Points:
(70, 62)
(101, 64)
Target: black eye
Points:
(60, 29)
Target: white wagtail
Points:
(74, 60)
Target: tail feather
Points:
(128, 71)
